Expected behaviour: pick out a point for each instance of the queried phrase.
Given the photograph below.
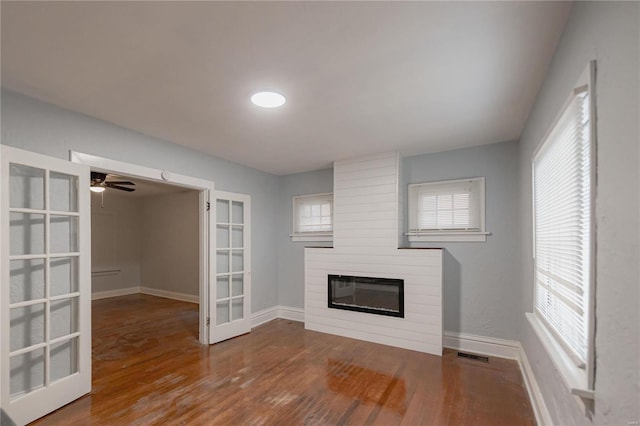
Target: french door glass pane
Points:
(27, 280)
(222, 211)
(63, 192)
(222, 261)
(64, 275)
(237, 285)
(26, 325)
(26, 187)
(236, 308)
(26, 234)
(236, 237)
(27, 372)
(237, 212)
(64, 317)
(222, 312)
(64, 234)
(64, 359)
(222, 236)
(237, 260)
(222, 291)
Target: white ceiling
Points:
(360, 77)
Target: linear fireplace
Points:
(382, 296)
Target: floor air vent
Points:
(474, 357)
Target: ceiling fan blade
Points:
(121, 182)
(121, 188)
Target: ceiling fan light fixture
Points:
(97, 188)
(268, 99)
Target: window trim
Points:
(580, 381)
(445, 235)
(319, 236)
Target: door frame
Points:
(206, 188)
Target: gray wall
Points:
(291, 254)
(481, 291)
(47, 129)
(125, 227)
(170, 249)
(608, 32)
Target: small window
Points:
(447, 211)
(313, 217)
(563, 182)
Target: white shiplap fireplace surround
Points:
(365, 243)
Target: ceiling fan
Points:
(99, 183)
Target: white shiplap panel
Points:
(365, 234)
(397, 257)
(380, 179)
(366, 190)
(361, 186)
(374, 320)
(339, 209)
(431, 347)
(365, 223)
(365, 270)
(368, 200)
(380, 328)
(365, 173)
(377, 214)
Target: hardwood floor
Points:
(148, 368)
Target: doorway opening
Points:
(144, 241)
(157, 180)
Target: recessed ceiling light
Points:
(268, 99)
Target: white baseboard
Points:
(264, 316)
(170, 295)
(491, 346)
(543, 418)
(114, 293)
(291, 313)
(275, 312)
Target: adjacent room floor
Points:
(148, 368)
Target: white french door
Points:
(230, 294)
(45, 292)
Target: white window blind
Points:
(313, 214)
(449, 205)
(562, 228)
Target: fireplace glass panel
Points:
(383, 296)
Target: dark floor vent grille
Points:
(474, 357)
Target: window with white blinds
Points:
(563, 240)
(313, 214)
(446, 207)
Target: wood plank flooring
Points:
(148, 368)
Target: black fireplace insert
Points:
(382, 296)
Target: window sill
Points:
(574, 377)
(311, 237)
(471, 237)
